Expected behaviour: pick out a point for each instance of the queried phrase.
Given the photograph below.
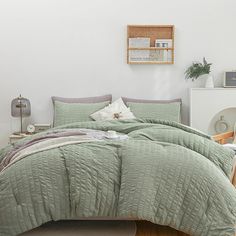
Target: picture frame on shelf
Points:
(163, 43)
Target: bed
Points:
(157, 172)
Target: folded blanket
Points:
(164, 172)
(53, 140)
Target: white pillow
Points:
(115, 111)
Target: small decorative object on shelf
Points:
(230, 79)
(200, 70)
(221, 125)
(41, 127)
(150, 44)
(20, 107)
(31, 129)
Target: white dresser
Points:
(207, 105)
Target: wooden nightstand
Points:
(37, 128)
(16, 137)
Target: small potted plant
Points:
(198, 70)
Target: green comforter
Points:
(165, 173)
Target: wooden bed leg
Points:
(145, 228)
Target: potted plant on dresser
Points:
(200, 70)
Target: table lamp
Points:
(20, 107)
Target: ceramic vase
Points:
(209, 82)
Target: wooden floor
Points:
(145, 228)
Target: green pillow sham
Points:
(65, 113)
(162, 111)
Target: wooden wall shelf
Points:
(151, 52)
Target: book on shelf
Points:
(139, 42)
(139, 55)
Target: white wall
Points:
(78, 48)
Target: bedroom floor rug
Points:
(85, 228)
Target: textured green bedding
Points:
(165, 111)
(66, 113)
(165, 173)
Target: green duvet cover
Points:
(164, 172)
